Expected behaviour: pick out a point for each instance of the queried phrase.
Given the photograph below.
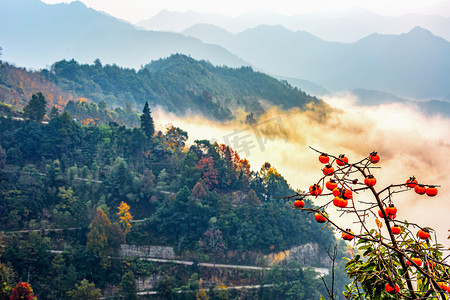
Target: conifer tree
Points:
(35, 109)
(147, 124)
(54, 113)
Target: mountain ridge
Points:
(348, 26)
(178, 84)
(413, 64)
(430, 107)
(98, 35)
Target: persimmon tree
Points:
(401, 261)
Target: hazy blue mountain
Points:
(371, 23)
(47, 33)
(373, 98)
(215, 35)
(415, 64)
(209, 33)
(436, 107)
(307, 86)
(178, 21)
(346, 26)
(343, 28)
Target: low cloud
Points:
(408, 142)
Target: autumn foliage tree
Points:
(209, 172)
(125, 216)
(174, 138)
(240, 168)
(198, 192)
(104, 237)
(403, 261)
(22, 291)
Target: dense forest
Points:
(178, 84)
(91, 180)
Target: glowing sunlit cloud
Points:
(408, 142)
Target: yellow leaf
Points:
(379, 224)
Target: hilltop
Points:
(178, 84)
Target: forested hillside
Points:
(17, 85)
(75, 177)
(178, 84)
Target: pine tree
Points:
(54, 113)
(147, 124)
(35, 109)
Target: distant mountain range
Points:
(415, 64)
(374, 98)
(34, 34)
(346, 26)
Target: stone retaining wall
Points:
(147, 283)
(147, 251)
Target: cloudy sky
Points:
(137, 10)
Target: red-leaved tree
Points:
(22, 291)
(209, 172)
